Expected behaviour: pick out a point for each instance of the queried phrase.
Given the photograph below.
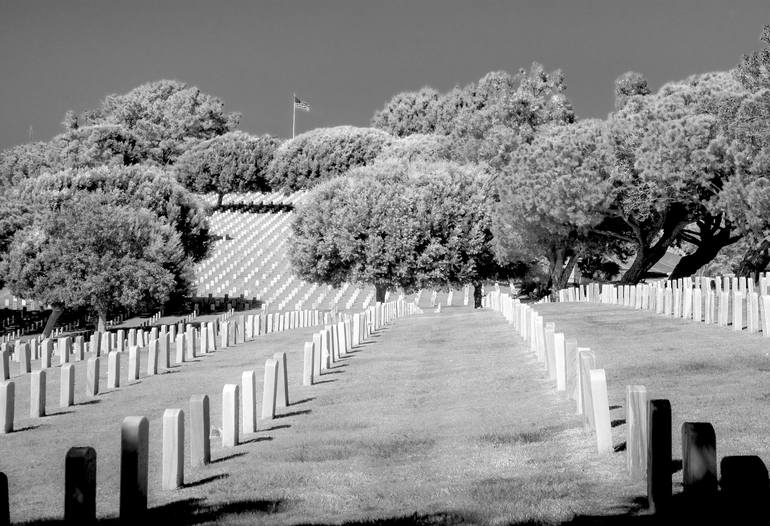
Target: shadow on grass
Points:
(57, 413)
(295, 413)
(618, 422)
(304, 400)
(325, 381)
(228, 457)
(89, 402)
(282, 426)
(255, 440)
(194, 511)
(206, 480)
(25, 428)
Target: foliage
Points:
(409, 113)
(753, 71)
(142, 186)
(417, 148)
(23, 161)
(668, 165)
(95, 145)
(486, 119)
(395, 226)
(324, 153)
(552, 194)
(627, 85)
(233, 162)
(164, 116)
(94, 253)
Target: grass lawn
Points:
(439, 419)
(709, 373)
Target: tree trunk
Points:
(477, 295)
(560, 273)
(755, 260)
(647, 256)
(379, 292)
(220, 196)
(707, 250)
(52, 319)
(101, 323)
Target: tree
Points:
(746, 200)
(96, 145)
(409, 113)
(552, 195)
(324, 153)
(165, 117)
(233, 162)
(486, 119)
(417, 148)
(92, 253)
(395, 225)
(144, 186)
(668, 166)
(23, 161)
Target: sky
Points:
(346, 58)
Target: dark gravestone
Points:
(659, 456)
(744, 485)
(5, 509)
(699, 461)
(134, 435)
(80, 486)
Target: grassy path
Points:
(441, 418)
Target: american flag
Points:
(301, 104)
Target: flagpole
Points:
(293, 112)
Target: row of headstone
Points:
(571, 368)
(744, 484)
(702, 300)
(239, 409)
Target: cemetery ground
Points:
(438, 419)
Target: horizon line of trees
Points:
(495, 180)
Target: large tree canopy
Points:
(668, 165)
(91, 253)
(396, 225)
(552, 195)
(165, 117)
(324, 153)
(233, 162)
(143, 186)
(409, 113)
(24, 161)
(486, 119)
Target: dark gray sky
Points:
(345, 57)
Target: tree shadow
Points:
(304, 400)
(618, 422)
(89, 402)
(620, 447)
